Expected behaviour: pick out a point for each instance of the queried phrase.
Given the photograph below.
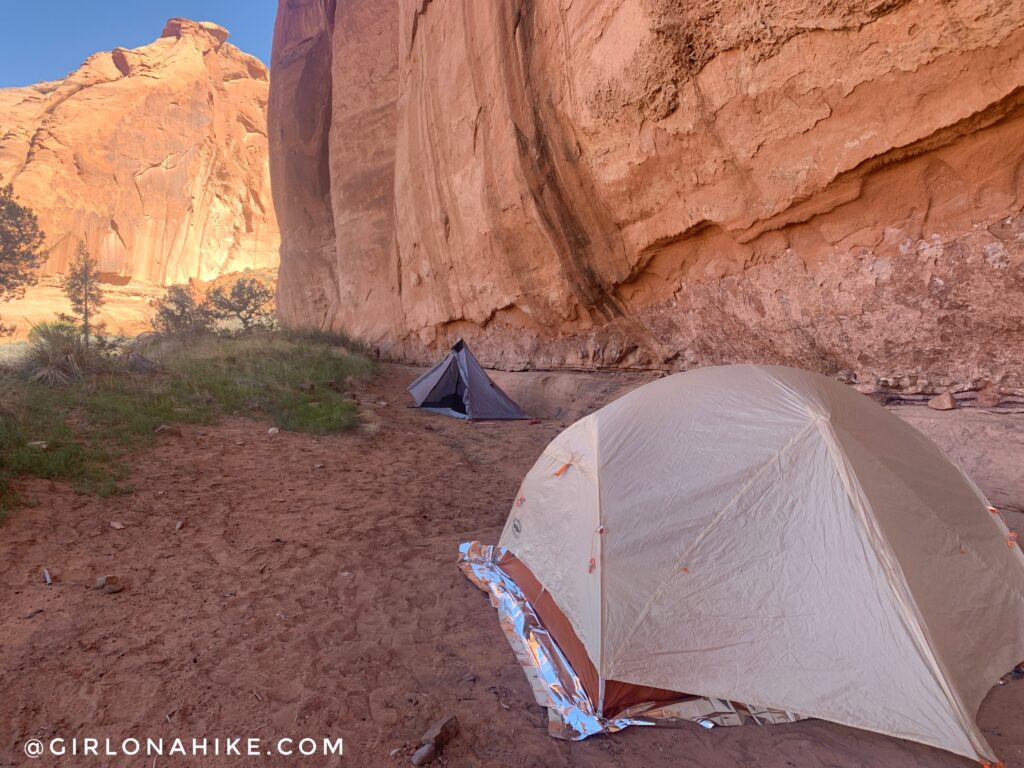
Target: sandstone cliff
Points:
(156, 157)
(659, 183)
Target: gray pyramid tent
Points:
(459, 387)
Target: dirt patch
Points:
(311, 590)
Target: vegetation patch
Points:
(75, 401)
(79, 427)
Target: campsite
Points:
(512, 383)
(313, 589)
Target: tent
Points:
(458, 386)
(756, 542)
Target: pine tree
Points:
(81, 286)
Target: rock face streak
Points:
(156, 157)
(659, 183)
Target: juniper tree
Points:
(21, 248)
(249, 301)
(178, 313)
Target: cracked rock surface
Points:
(156, 157)
(659, 184)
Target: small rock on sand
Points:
(989, 397)
(179, 525)
(943, 402)
(273, 431)
(166, 429)
(424, 754)
(109, 584)
(434, 739)
(116, 525)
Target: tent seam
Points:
(896, 579)
(938, 521)
(463, 370)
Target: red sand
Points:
(303, 601)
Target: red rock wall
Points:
(659, 183)
(156, 157)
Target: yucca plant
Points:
(56, 355)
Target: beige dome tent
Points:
(762, 535)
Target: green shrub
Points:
(248, 301)
(179, 314)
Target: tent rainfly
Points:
(760, 535)
(458, 386)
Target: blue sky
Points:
(47, 39)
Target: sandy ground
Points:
(127, 309)
(312, 591)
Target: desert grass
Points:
(78, 420)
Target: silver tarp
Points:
(571, 713)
